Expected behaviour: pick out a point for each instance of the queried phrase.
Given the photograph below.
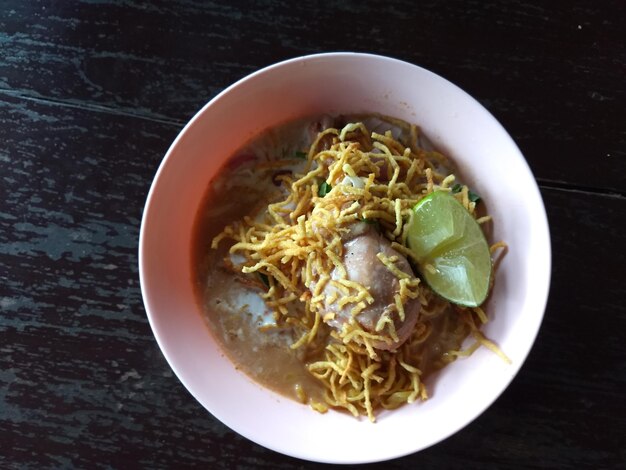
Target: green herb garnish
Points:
(471, 195)
(302, 155)
(324, 189)
(264, 279)
(373, 222)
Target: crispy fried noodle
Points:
(353, 178)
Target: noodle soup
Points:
(303, 271)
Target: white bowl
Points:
(344, 83)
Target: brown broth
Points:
(265, 356)
(230, 300)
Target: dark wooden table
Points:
(91, 95)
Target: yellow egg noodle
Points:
(352, 175)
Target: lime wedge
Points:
(451, 249)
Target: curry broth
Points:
(225, 298)
(237, 316)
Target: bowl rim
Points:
(531, 335)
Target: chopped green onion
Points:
(302, 155)
(324, 189)
(264, 279)
(471, 195)
(373, 222)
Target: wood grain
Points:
(553, 74)
(92, 93)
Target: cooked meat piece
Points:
(363, 266)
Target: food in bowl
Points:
(339, 261)
(345, 83)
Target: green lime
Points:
(451, 249)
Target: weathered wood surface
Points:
(91, 95)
